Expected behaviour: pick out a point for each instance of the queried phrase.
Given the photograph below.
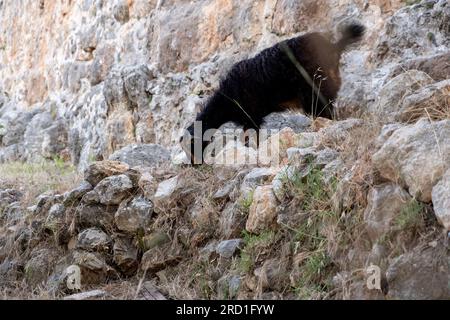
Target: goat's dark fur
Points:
(272, 81)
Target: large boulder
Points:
(417, 156)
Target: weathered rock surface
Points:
(146, 155)
(430, 101)
(166, 191)
(94, 240)
(385, 203)
(441, 200)
(394, 92)
(263, 210)
(420, 274)
(417, 156)
(103, 169)
(113, 190)
(227, 249)
(125, 255)
(134, 215)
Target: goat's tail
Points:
(350, 34)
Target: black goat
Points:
(299, 73)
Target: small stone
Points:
(441, 200)
(94, 240)
(148, 184)
(272, 274)
(228, 286)
(150, 292)
(55, 218)
(256, 177)
(94, 269)
(113, 190)
(166, 191)
(235, 155)
(125, 255)
(89, 295)
(272, 151)
(231, 221)
(226, 249)
(75, 195)
(225, 191)
(263, 211)
(134, 215)
(279, 182)
(95, 215)
(300, 155)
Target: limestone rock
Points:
(430, 101)
(113, 190)
(272, 151)
(385, 203)
(436, 66)
(94, 240)
(231, 221)
(417, 156)
(95, 215)
(166, 191)
(146, 155)
(441, 200)
(419, 274)
(263, 211)
(255, 178)
(392, 93)
(234, 154)
(148, 184)
(101, 170)
(39, 267)
(228, 286)
(88, 295)
(226, 249)
(277, 121)
(76, 194)
(335, 134)
(94, 269)
(134, 215)
(125, 255)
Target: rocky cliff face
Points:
(96, 80)
(95, 76)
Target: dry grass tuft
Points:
(34, 179)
